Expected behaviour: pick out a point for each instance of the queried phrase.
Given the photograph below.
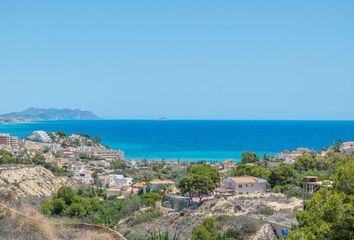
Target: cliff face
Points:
(29, 181)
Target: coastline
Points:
(191, 141)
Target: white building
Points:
(115, 180)
(244, 184)
(39, 136)
(290, 156)
(347, 147)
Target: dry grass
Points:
(29, 224)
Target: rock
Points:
(265, 233)
(29, 181)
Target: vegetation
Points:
(89, 204)
(251, 170)
(163, 236)
(329, 213)
(147, 215)
(225, 228)
(266, 210)
(7, 158)
(200, 179)
(151, 198)
(249, 157)
(119, 164)
(282, 175)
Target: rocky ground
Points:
(26, 223)
(256, 208)
(29, 181)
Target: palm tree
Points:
(167, 188)
(147, 179)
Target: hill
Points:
(43, 114)
(24, 181)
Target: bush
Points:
(151, 198)
(85, 205)
(267, 211)
(76, 210)
(149, 214)
(58, 206)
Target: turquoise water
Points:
(199, 140)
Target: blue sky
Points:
(180, 59)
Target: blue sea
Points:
(192, 140)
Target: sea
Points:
(198, 140)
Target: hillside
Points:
(251, 214)
(21, 188)
(42, 114)
(23, 181)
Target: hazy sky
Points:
(180, 59)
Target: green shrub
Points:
(163, 236)
(58, 206)
(76, 210)
(149, 214)
(267, 211)
(151, 198)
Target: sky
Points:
(180, 59)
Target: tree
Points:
(249, 157)
(282, 175)
(329, 214)
(119, 164)
(166, 188)
(206, 231)
(38, 159)
(76, 210)
(307, 162)
(61, 133)
(266, 160)
(151, 198)
(251, 170)
(97, 139)
(205, 170)
(344, 178)
(200, 179)
(58, 206)
(185, 185)
(199, 184)
(67, 194)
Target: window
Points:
(240, 186)
(246, 185)
(252, 185)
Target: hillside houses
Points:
(290, 156)
(114, 180)
(242, 185)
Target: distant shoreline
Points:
(194, 140)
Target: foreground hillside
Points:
(21, 189)
(22, 222)
(250, 214)
(29, 181)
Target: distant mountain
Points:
(41, 114)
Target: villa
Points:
(115, 180)
(157, 184)
(240, 185)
